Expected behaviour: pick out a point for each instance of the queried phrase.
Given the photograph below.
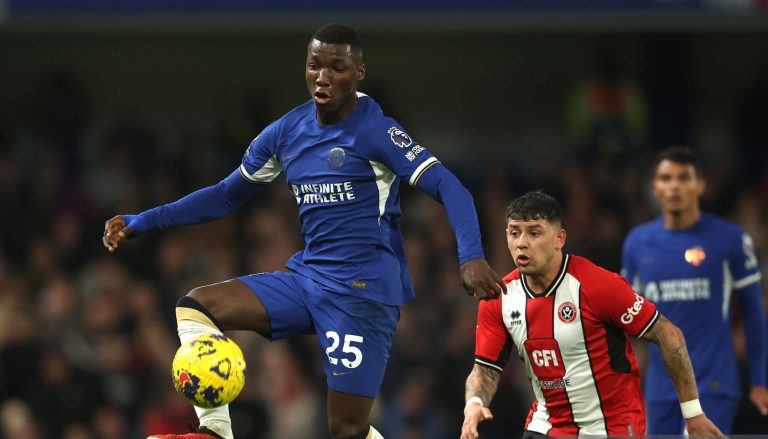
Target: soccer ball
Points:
(209, 371)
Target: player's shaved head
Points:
(335, 33)
(535, 205)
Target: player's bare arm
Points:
(479, 280)
(115, 230)
(482, 383)
(674, 352)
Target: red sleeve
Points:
(492, 341)
(617, 304)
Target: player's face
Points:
(333, 72)
(534, 244)
(677, 187)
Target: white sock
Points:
(215, 419)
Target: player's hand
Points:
(759, 397)
(701, 426)
(479, 280)
(473, 415)
(115, 230)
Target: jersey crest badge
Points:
(567, 312)
(399, 137)
(695, 256)
(336, 157)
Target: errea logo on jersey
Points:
(399, 137)
(633, 310)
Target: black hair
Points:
(535, 205)
(678, 154)
(335, 33)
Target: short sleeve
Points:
(492, 341)
(260, 164)
(618, 305)
(391, 145)
(743, 262)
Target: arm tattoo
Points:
(482, 382)
(676, 359)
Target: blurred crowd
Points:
(87, 337)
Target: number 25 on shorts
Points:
(348, 348)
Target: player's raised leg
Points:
(210, 310)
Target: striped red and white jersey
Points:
(573, 341)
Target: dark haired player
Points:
(568, 321)
(692, 265)
(343, 161)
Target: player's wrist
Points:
(691, 408)
(137, 224)
(475, 400)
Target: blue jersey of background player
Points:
(342, 159)
(692, 265)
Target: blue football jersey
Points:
(691, 275)
(345, 178)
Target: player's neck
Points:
(338, 116)
(539, 282)
(683, 219)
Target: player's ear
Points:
(702, 186)
(361, 71)
(560, 239)
(654, 188)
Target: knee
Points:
(207, 298)
(199, 295)
(194, 306)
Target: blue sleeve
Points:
(443, 186)
(203, 205)
(746, 281)
(753, 313)
(260, 163)
(742, 260)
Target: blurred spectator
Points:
(110, 423)
(293, 409)
(607, 113)
(412, 412)
(63, 394)
(17, 422)
(76, 431)
(168, 414)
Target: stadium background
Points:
(114, 107)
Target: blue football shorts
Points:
(665, 417)
(355, 334)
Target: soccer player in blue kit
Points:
(343, 160)
(692, 265)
